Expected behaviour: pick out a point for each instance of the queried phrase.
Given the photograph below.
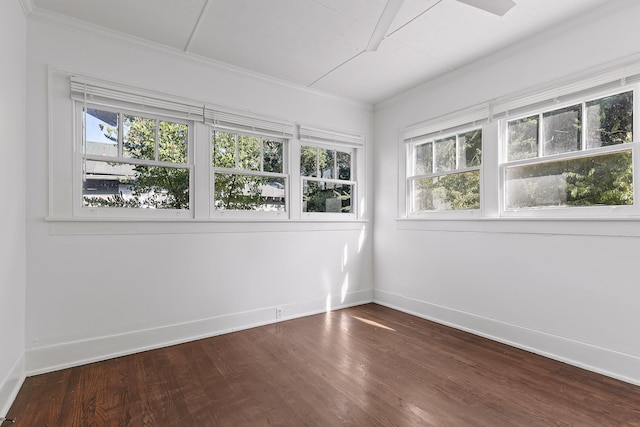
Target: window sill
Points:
(581, 226)
(110, 226)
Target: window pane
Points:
(445, 154)
(460, 191)
(470, 149)
(224, 150)
(327, 163)
(308, 161)
(172, 142)
(139, 138)
(109, 184)
(590, 181)
(248, 153)
(562, 130)
(101, 132)
(245, 192)
(273, 156)
(523, 138)
(610, 120)
(424, 159)
(344, 165)
(326, 197)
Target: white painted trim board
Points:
(61, 356)
(621, 366)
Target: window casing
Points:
(572, 160)
(558, 153)
(444, 173)
(133, 163)
(141, 155)
(331, 170)
(249, 172)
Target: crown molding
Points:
(74, 24)
(27, 7)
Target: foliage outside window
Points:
(327, 183)
(445, 172)
(574, 156)
(134, 161)
(249, 172)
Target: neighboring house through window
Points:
(142, 154)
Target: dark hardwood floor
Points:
(362, 366)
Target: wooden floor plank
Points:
(362, 366)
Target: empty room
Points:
(319, 212)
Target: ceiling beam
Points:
(497, 7)
(384, 23)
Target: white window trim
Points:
(81, 211)
(66, 89)
(352, 144)
(410, 144)
(556, 95)
(250, 214)
(550, 212)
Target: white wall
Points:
(13, 49)
(95, 290)
(561, 288)
(100, 289)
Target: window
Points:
(444, 172)
(557, 153)
(331, 165)
(134, 160)
(576, 156)
(142, 154)
(249, 172)
(327, 184)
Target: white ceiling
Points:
(321, 43)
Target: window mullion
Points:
(120, 134)
(156, 134)
(541, 138)
(433, 157)
(237, 151)
(457, 154)
(261, 165)
(583, 127)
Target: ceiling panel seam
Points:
(336, 67)
(341, 15)
(196, 27)
(426, 55)
(413, 19)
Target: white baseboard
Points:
(69, 354)
(624, 367)
(10, 386)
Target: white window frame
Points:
(412, 143)
(353, 183)
(81, 211)
(339, 141)
(494, 115)
(70, 94)
(250, 214)
(611, 211)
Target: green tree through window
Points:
(137, 185)
(586, 177)
(248, 172)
